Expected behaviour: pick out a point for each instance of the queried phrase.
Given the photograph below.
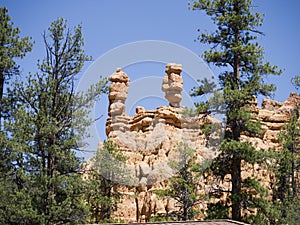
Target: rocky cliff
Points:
(150, 137)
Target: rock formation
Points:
(150, 137)
(172, 84)
(118, 91)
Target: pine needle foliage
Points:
(234, 48)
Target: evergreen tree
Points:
(293, 216)
(11, 47)
(234, 47)
(286, 186)
(296, 81)
(108, 173)
(184, 183)
(47, 127)
(288, 160)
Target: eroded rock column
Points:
(118, 91)
(172, 84)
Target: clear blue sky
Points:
(110, 23)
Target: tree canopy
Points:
(234, 48)
(11, 47)
(47, 127)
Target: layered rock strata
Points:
(150, 137)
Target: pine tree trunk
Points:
(185, 193)
(294, 185)
(1, 91)
(185, 206)
(50, 176)
(236, 160)
(236, 188)
(137, 212)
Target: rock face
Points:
(172, 84)
(150, 137)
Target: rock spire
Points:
(172, 84)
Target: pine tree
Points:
(184, 183)
(286, 186)
(108, 173)
(11, 47)
(48, 127)
(288, 161)
(234, 47)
